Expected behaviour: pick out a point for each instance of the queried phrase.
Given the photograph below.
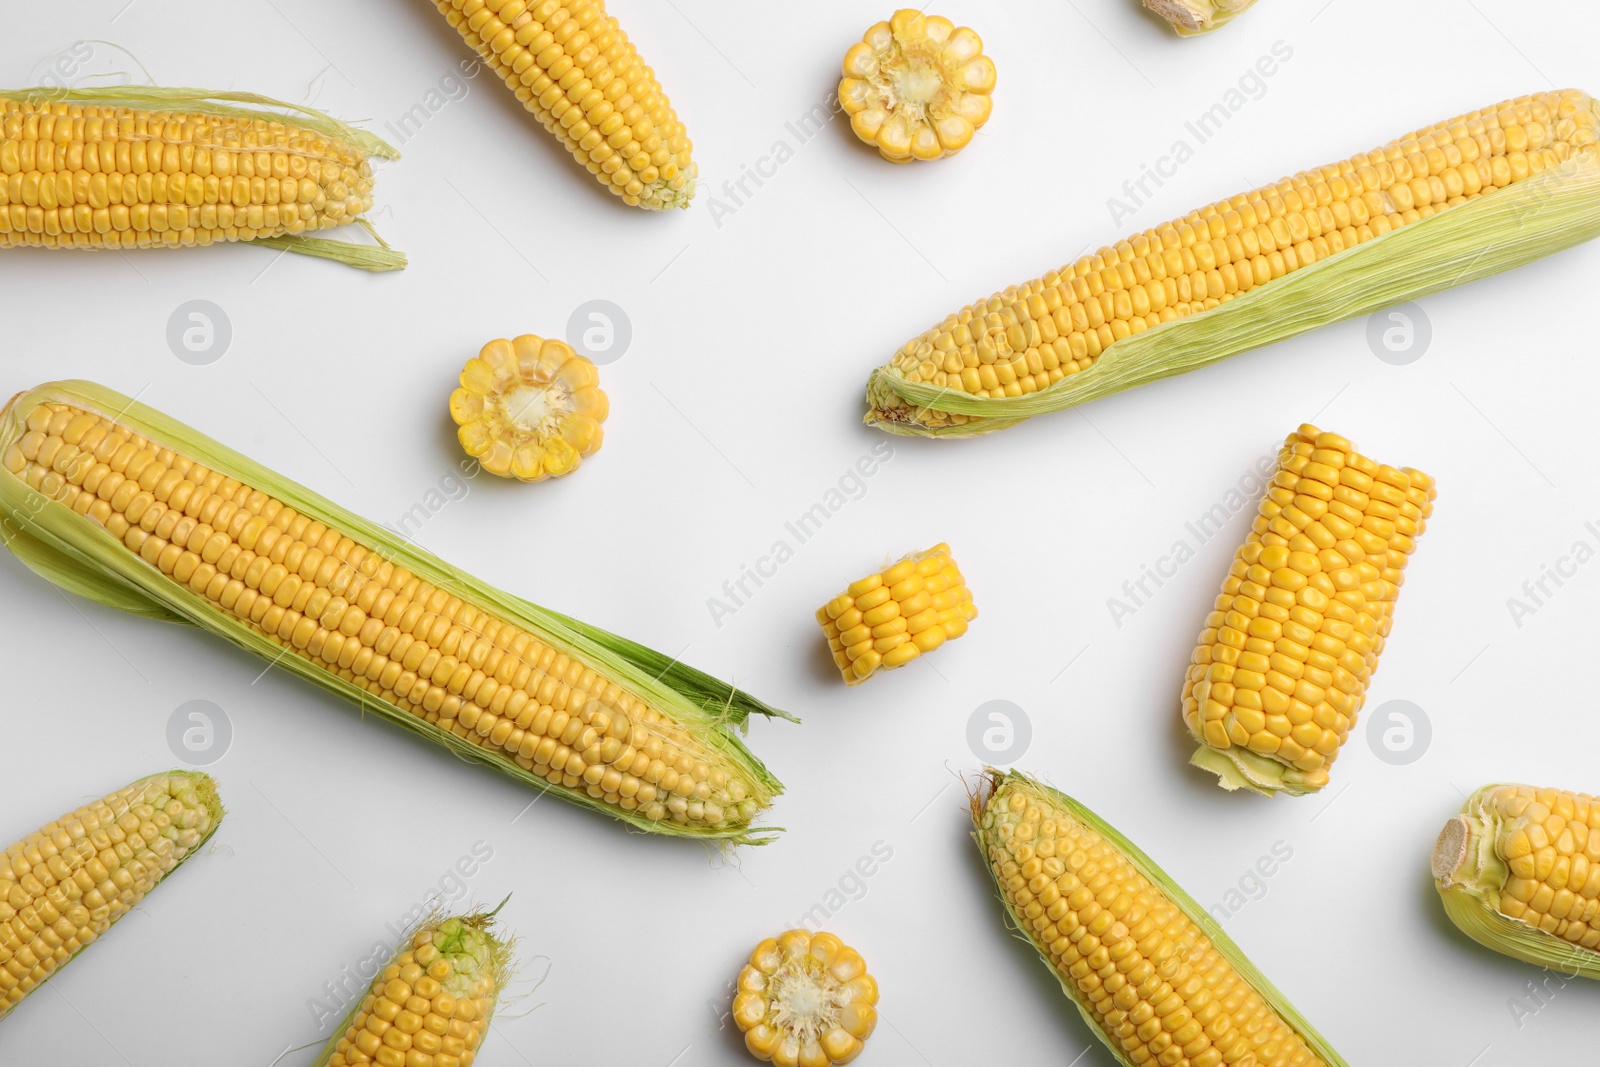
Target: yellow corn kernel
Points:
(805, 1000)
(529, 408)
(886, 620)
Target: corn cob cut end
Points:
(529, 409)
(805, 998)
(1193, 17)
(888, 619)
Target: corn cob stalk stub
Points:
(1281, 668)
(1191, 17)
(529, 409)
(805, 998)
(888, 619)
(1459, 201)
(572, 66)
(917, 87)
(66, 884)
(432, 1003)
(551, 701)
(1123, 940)
(121, 167)
(1519, 872)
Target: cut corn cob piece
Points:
(1151, 972)
(128, 166)
(63, 886)
(805, 1000)
(888, 619)
(1519, 872)
(572, 66)
(1281, 669)
(1449, 204)
(117, 502)
(1191, 17)
(432, 1004)
(529, 409)
(917, 87)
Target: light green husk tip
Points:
(1470, 875)
(994, 786)
(1239, 768)
(376, 258)
(1193, 17)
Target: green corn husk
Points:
(81, 556)
(474, 951)
(205, 790)
(376, 258)
(1193, 17)
(1543, 214)
(989, 802)
(1470, 876)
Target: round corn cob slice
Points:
(917, 87)
(888, 619)
(805, 1000)
(119, 503)
(572, 66)
(1280, 671)
(1519, 872)
(1461, 200)
(64, 885)
(529, 409)
(1191, 17)
(126, 167)
(432, 1004)
(1151, 972)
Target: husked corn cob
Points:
(805, 1000)
(529, 409)
(63, 886)
(1190, 17)
(1451, 203)
(431, 1005)
(1519, 872)
(1151, 972)
(119, 503)
(1282, 666)
(889, 619)
(127, 167)
(572, 66)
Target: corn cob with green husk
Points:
(1519, 872)
(133, 166)
(432, 1004)
(64, 885)
(1151, 972)
(1191, 17)
(119, 503)
(1449, 204)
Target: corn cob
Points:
(117, 502)
(1449, 204)
(805, 1000)
(572, 66)
(1519, 872)
(125, 166)
(1151, 972)
(431, 1005)
(64, 885)
(917, 87)
(1281, 669)
(1191, 17)
(529, 409)
(889, 619)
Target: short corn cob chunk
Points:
(572, 66)
(125, 167)
(117, 502)
(888, 619)
(66, 884)
(805, 1000)
(432, 1004)
(1191, 17)
(1281, 669)
(1151, 972)
(1467, 198)
(1519, 872)
(917, 87)
(529, 409)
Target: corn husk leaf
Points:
(1470, 876)
(998, 783)
(219, 104)
(1536, 217)
(1193, 17)
(83, 557)
(1239, 768)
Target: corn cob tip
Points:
(1450, 850)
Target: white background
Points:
(737, 406)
